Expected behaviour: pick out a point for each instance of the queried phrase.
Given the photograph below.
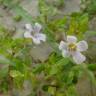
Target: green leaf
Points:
(56, 68)
(23, 13)
(92, 67)
(89, 73)
(91, 77)
(15, 73)
(39, 68)
(52, 90)
(78, 25)
(59, 94)
(4, 60)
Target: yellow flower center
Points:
(72, 47)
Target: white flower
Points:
(74, 49)
(33, 32)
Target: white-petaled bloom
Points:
(73, 48)
(33, 32)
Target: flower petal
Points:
(82, 46)
(65, 53)
(29, 27)
(78, 57)
(41, 36)
(36, 40)
(27, 35)
(71, 39)
(63, 46)
(37, 27)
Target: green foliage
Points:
(17, 18)
(57, 76)
(89, 7)
(15, 74)
(46, 11)
(12, 55)
(78, 24)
